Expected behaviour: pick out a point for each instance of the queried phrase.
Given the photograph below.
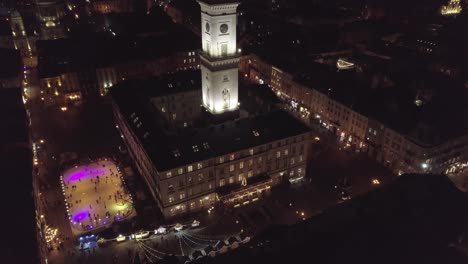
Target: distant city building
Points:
(399, 132)
(452, 8)
(112, 6)
(49, 14)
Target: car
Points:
(178, 227)
(195, 223)
(141, 235)
(160, 231)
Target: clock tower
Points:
(219, 58)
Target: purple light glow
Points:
(80, 216)
(85, 175)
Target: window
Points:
(251, 151)
(210, 186)
(169, 174)
(181, 195)
(221, 159)
(200, 177)
(231, 179)
(249, 173)
(292, 161)
(175, 152)
(255, 132)
(231, 167)
(250, 162)
(299, 171)
(199, 166)
(206, 145)
(286, 152)
(240, 177)
(189, 180)
(278, 154)
(171, 198)
(241, 165)
(174, 116)
(300, 158)
(180, 171)
(260, 159)
(195, 148)
(170, 188)
(190, 191)
(192, 205)
(231, 157)
(222, 182)
(190, 168)
(181, 184)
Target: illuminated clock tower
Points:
(219, 58)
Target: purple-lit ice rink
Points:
(95, 196)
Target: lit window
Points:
(255, 132)
(174, 116)
(278, 154)
(292, 161)
(249, 173)
(180, 171)
(231, 157)
(241, 165)
(251, 151)
(169, 174)
(189, 180)
(195, 148)
(163, 109)
(199, 166)
(250, 162)
(210, 186)
(206, 145)
(231, 179)
(240, 177)
(231, 167)
(299, 171)
(200, 177)
(190, 168)
(221, 159)
(286, 152)
(176, 153)
(171, 198)
(222, 182)
(181, 195)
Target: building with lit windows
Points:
(408, 127)
(112, 6)
(67, 71)
(49, 14)
(191, 158)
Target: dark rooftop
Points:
(416, 219)
(172, 150)
(16, 165)
(11, 63)
(84, 53)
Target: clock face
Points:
(207, 27)
(223, 28)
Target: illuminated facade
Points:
(452, 8)
(219, 57)
(49, 14)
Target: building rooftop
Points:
(207, 140)
(11, 64)
(390, 93)
(82, 53)
(16, 162)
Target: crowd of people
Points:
(93, 213)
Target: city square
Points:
(95, 196)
